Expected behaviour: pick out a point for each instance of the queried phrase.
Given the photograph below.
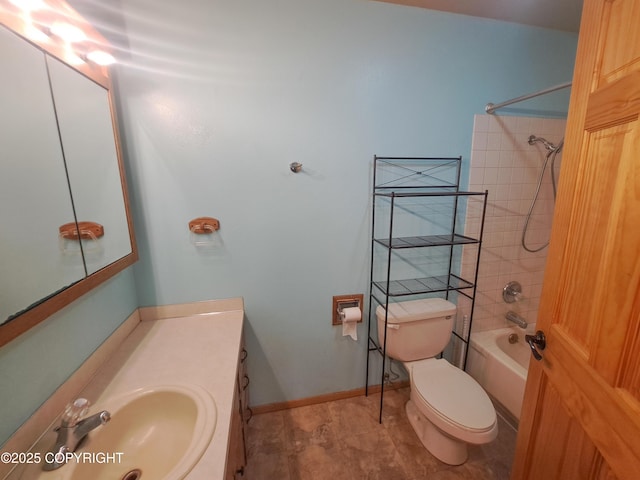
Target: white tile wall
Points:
(503, 162)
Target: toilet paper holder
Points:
(341, 302)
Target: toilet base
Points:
(445, 448)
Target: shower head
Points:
(548, 145)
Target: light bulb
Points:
(68, 32)
(28, 5)
(34, 33)
(101, 57)
(72, 59)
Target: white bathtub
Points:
(499, 366)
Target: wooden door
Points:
(581, 414)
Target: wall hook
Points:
(72, 234)
(203, 225)
(295, 167)
(83, 230)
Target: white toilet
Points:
(447, 408)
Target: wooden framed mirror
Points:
(62, 165)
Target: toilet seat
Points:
(452, 400)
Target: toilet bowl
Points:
(447, 409)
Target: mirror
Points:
(86, 132)
(34, 194)
(61, 167)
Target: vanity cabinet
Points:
(236, 457)
(192, 347)
(243, 384)
(237, 452)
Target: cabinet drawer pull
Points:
(243, 355)
(246, 382)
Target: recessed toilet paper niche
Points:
(345, 301)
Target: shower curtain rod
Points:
(490, 108)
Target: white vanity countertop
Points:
(200, 349)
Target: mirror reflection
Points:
(60, 168)
(84, 120)
(34, 194)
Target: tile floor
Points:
(343, 440)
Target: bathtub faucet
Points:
(515, 318)
(512, 292)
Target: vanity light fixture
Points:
(74, 44)
(32, 31)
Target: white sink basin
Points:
(155, 433)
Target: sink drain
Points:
(134, 474)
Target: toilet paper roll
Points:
(350, 318)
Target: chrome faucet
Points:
(517, 319)
(72, 430)
(512, 292)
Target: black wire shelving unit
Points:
(417, 206)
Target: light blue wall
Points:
(218, 97)
(35, 364)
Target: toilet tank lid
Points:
(412, 310)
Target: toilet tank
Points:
(416, 329)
